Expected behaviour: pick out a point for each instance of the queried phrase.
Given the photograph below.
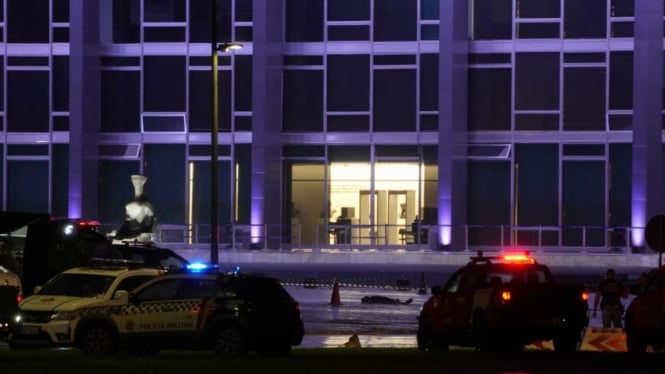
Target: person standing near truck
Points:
(608, 296)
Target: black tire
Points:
(485, 339)
(567, 339)
(229, 340)
(97, 339)
(428, 341)
(565, 344)
(424, 341)
(635, 343)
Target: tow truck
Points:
(502, 303)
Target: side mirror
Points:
(36, 290)
(122, 296)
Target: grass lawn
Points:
(329, 360)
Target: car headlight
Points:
(64, 316)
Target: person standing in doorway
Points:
(608, 296)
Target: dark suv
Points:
(230, 314)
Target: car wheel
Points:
(566, 340)
(97, 339)
(485, 338)
(424, 340)
(427, 341)
(565, 344)
(230, 340)
(634, 342)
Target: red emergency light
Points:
(518, 258)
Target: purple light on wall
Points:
(445, 224)
(638, 221)
(74, 206)
(256, 228)
(445, 213)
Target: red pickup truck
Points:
(645, 315)
(503, 303)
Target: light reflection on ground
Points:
(329, 325)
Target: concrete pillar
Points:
(453, 71)
(267, 120)
(84, 108)
(647, 172)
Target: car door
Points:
(165, 312)
(461, 302)
(451, 295)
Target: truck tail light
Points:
(505, 295)
(585, 296)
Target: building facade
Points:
(364, 123)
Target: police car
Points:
(65, 310)
(228, 313)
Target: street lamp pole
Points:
(214, 132)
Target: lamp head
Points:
(225, 47)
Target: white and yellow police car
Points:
(59, 312)
(228, 313)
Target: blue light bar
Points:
(199, 267)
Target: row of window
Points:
(536, 91)
(134, 21)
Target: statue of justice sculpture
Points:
(140, 221)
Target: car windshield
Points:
(77, 285)
(517, 275)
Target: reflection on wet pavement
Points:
(373, 341)
(377, 325)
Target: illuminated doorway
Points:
(374, 205)
(386, 217)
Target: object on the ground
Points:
(422, 290)
(377, 299)
(335, 298)
(353, 342)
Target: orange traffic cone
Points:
(334, 298)
(422, 290)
